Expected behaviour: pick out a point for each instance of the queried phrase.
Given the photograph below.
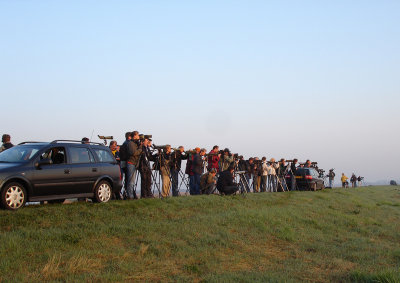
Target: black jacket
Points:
(225, 179)
(176, 160)
(197, 164)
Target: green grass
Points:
(337, 235)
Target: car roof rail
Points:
(74, 141)
(25, 142)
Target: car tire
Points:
(313, 187)
(13, 196)
(102, 192)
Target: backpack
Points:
(123, 151)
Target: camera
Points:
(105, 138)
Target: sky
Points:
(305, 79)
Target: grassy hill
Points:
(332, 235)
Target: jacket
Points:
(225, 179)
(213, 161)
(225, 161)
(197, 165)
(176, 160)
(134, 151)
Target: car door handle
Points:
(94, 169)
(67, 171)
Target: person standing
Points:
(165, 159)
(331, 176)
(257, 172)
(344, 180)
(359, 179)
(134, 151)
(281, 174)
(353, 181)
(176, 162)
(293, 168)
(6, 140)
(264, 176)
(272, 179)
(197, 169)
(226, 160)
(213, 158)
(145, 170)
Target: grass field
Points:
(331, 235)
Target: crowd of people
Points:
(204, 173)
(354, 180)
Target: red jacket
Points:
(213, 160)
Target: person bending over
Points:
(225, 184)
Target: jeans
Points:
(331, 183)
(196, 184)
(191, 184)
(174, 178)
(272, 183)
(130, 180)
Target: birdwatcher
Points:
(344, 180)
(6, 140)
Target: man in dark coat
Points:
(145, 170)
(198, 168)
(176, 161)
(225, 184)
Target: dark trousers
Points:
(174, 178)
(263, 186)
(194, 183)
(228, 190)
(293, 182)
(145, 175)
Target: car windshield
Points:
(19, 153)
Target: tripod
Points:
(161, 164)
(243, 184)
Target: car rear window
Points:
(302, 171)
(104, 155)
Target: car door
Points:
(52, 178)
(84, 169)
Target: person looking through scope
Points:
(225, 184)
(197, 168)
(145, 169)
(176, 162)
(134, 151)
(226, 160)
(165, 159)
(208, 181)
(213, 158)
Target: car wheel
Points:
(13, 196)
(103, 192)
(313, 187)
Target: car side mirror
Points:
(43, 162)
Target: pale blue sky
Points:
(306, 79)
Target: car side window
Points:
(80, 155)
(104, 155)
(55, 154)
